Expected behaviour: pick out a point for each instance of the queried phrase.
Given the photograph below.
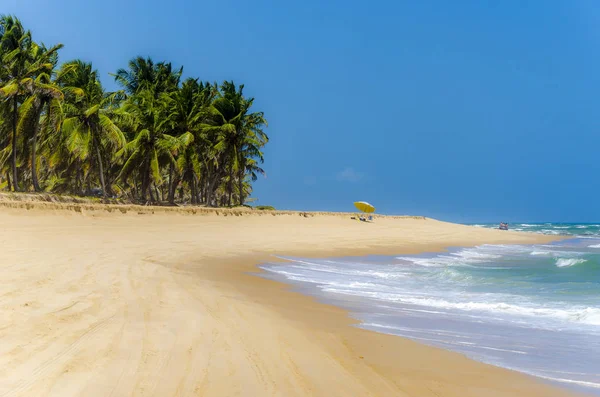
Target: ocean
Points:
(530, 308)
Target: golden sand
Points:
(141, 301)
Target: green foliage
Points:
(264, 208)
(157, 139)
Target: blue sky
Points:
(465, 111)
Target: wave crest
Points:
(568, 262)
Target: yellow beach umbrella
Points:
(364, 206)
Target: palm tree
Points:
(252, 141)
(237, 135)
(87, 127)
(61, 130)
(15, 44)
(42, 108)
(221, 129)
(151, 146)
(186, 111)
(152, 103)
(144, 74)
(26, 70)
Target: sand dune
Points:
(143, 301)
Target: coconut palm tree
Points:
(237, 135)
(42, 108)
(26, 70)
(17, 73)
(60, 131)
(221, 129)
(149, 90)
(251, 143)
(188, 107)
(88, 128)
(151, 146)
(14, 47)
(144, 74)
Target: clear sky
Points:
(465, 111)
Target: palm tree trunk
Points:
(204, 187)
(36, 131)
(230, 185)
(34, 177)
(135, 190)
(144, 188)
(193, 186)
(101, 170)
(8, 180)
(150, 193)
(173, 191)
(171, 187)
(199, 184)
(156, 191)
(145, 180)
(14, 146)
(213, 201)
(241, 186)
(78, 179)
(209, 193)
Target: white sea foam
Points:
(460, 258)
(581, 315)
(548, 231)
(451, 341)
(567, 262)
(456, 300)
(557, 253)
(571, 381)
(588, 315)
(536, 253)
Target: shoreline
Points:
(380, 350)
(175, 307)
(356, 308)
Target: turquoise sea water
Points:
(532, 308)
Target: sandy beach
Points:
(139, 301)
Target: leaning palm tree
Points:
(88, 130)
(14, 47)
(42, 109)
(221, 129)
(15, 43)
(25, 71)
(237, 135)
(253, 139)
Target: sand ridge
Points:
(101, 303)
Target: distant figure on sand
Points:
(503, 226)
(366, 208)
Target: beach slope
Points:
(97, 301)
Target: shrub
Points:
(265, 208)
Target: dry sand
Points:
(98, 303)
